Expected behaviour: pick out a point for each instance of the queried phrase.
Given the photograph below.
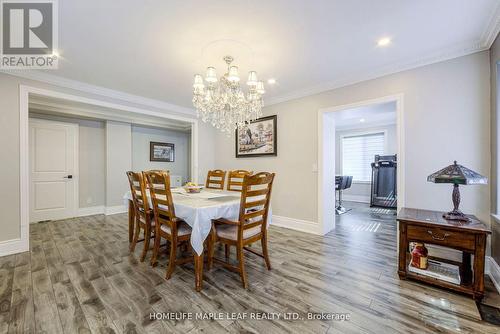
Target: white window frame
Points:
(359, 134)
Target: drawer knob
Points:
(437, 237)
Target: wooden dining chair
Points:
(154, 170)
(250, 227)
(168, 226)
(235, 179)
(215, 179)
(143, 213)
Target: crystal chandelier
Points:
(223, 103)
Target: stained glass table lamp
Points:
(456, 174)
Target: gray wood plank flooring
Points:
(80, 278)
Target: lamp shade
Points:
(457, 174)
(252, 78)
(211, 75)
(232, 75)
(260, 87)
(198, 82)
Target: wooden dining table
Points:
(198, 211)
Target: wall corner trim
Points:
(492, 269)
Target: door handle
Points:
(68, 176)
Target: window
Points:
(358, 152)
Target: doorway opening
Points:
(366, 158)
(350, 138)
(124, 120)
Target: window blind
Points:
(358, 152)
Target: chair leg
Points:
(226, 251)
(173, 257)
(147, 238)
(241, 263)
(265, 253)
(136, 235)
(156, 249)
(131, 221)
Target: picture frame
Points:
(258, 138)
(162, 152)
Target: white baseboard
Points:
(492, 269)
(113, 210)
(356, 198)
(296, 224)
(90, 211)
(15, 246)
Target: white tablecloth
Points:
(198, 210)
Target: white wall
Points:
(142, 136)
(118, 161)
(91, 158)
(206, 150)
(446, 107)
(360, 191)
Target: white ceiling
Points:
(366, 116)
(153, 48)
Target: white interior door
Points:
(53, 170)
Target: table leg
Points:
(198, 271)
(466, 269)
(131, 218)
(403, 247)
(479, 258)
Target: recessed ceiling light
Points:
(362, 120)
(384, 41)
(271, 81)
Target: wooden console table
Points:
(430, 227)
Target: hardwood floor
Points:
(80, 278)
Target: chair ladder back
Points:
(235, 179)
(215, 179)
(255, 200)
(161, 197)
(138, 190)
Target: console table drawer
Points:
(440, 236)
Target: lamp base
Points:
(456, 215)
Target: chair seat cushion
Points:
(182, 229)
(231, 231)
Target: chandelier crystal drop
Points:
(223, 103)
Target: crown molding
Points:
(57, 109)
(98, 90)
(446, 54)
(492, 27)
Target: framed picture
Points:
(164, 152)
(257, 139)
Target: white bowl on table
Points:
(193, 189)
